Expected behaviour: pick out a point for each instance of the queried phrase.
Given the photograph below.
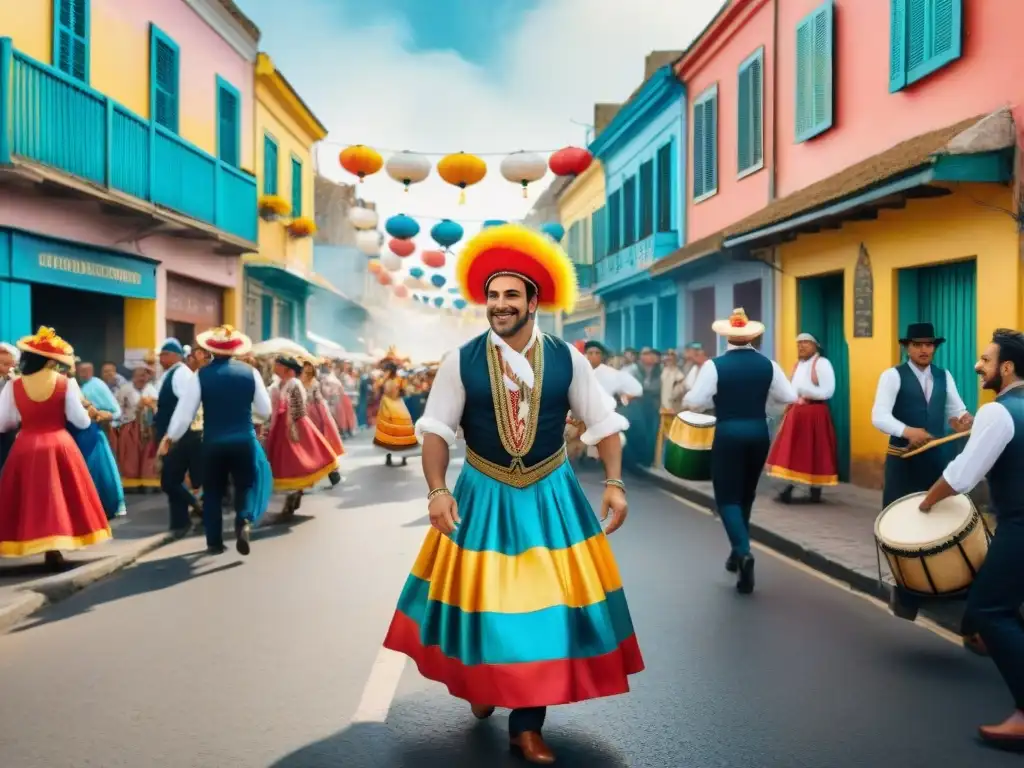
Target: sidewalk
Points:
(835, 537)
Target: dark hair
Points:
(1011, 348)
(31, 363)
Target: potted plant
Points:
(301, 227)
(273, 207)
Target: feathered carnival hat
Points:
(46, 343)
(224, 340)
(516, 251)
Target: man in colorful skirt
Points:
(496, 608)
(804, 451)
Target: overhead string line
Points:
(387, 151)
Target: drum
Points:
(688, 448)
(936, 553)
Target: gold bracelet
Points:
(438, 492)
(616, 484)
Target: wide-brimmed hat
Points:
(921, 332)
(224, 340)
(46, 343)
(738, 325)
(517, 251)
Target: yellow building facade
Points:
(280, 276)
(953, 261)
(576, 208)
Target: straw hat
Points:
(224, 340)
(46, 343)
(738, 326)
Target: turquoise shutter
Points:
(270, 166)
(698, 150)
(164, 80)
(71, 38)
(897, 45)
(823, 61)
(229, 130)
(814, 72)
(917, 33)
(711, 144)
(757, 110)
(946, 34)
(743, 120)
(933, 35)
(296, 187)
(749, 131)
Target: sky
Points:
(489, 77)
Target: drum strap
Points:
(814, 370)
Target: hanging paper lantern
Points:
(433, 259)
(416, 272)
(403, 227)
(459, 303)
(408, 168)
(361, 161)
(401, 292)
(439, 301)
(401, 248)
(438, 280)
(384, 278)
(454, 289)
(411, 282)
(391, 262)
(374, 266)
(362, 218)
(447, 233)
(493, 223)
(462, 170)
(570, 161)
(523, 168)
(554, 230)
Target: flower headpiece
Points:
(46, 343)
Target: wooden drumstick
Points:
(933, 443)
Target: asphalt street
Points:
(273, 661)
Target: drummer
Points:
(739, 385)
(995, 450)
(913, 402)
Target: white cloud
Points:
(567, 55)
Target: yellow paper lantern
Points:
(462, 170)
(361, 161)
(374, 266)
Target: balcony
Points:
(51, 120)
(585, 276)
(635, 259)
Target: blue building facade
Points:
(643, 153)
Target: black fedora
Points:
(921, 332)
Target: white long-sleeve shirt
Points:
(889, 387)
(618, 383)
(588, 400)
(991, 432)
(180, 375)
(191, 398)
(74, 411)
(702, 396)
(804, 384)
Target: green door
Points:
(820, 304)
(946, 297)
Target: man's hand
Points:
(916, 436)
(962, 424)
(444, 513)
(614, 501)
(165, 447)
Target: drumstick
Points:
(933, 443)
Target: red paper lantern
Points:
(401, 247)
(433, 259)
(401, 292)
(570, 161)
(384, 278)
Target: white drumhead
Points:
(903, 524)
(695, 419)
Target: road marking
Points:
(920, 621)
(381, 687)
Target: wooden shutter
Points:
(271, 170)
(814, 72)
(296, 187)
(932, 36)
(164, 75)
(750, 115)
(71, 38)
(229, 134)
(665, 178)
(646, 199)
(711, 144)
(698, 150)
(897, 44)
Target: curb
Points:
(37, 594)
(857, 581)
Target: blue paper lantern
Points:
(416, 272)
(493, 223)
(447, 233)
(403, 227)
(453, 289)
(554, 230)
(438, 301)
(438, 280)
(459, 303)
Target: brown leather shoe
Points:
(531, 746)
(1008, 734)
(481, 712)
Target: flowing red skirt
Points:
(47, 498)
(321, 417)
(136, 459)
(301, 465)
(345, 414)
(804, 451)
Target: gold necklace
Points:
(499, 394)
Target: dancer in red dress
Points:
(316, 406)
(49, 500)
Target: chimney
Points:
(657, 59)
(604, 114)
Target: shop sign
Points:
(38, 260)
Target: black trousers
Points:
(737, 461)
(994, 602)
(183, 458)
(527, 719)
(224, 461)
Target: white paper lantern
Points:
(412, 283)
(362, 218)
(408, 168)
(523, 168)
(391, 262)
(368, 241)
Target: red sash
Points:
(814, 370)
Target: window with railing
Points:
(71, 38)
(646, 199)
(629, 211)
(614, 222)
(665, 177)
